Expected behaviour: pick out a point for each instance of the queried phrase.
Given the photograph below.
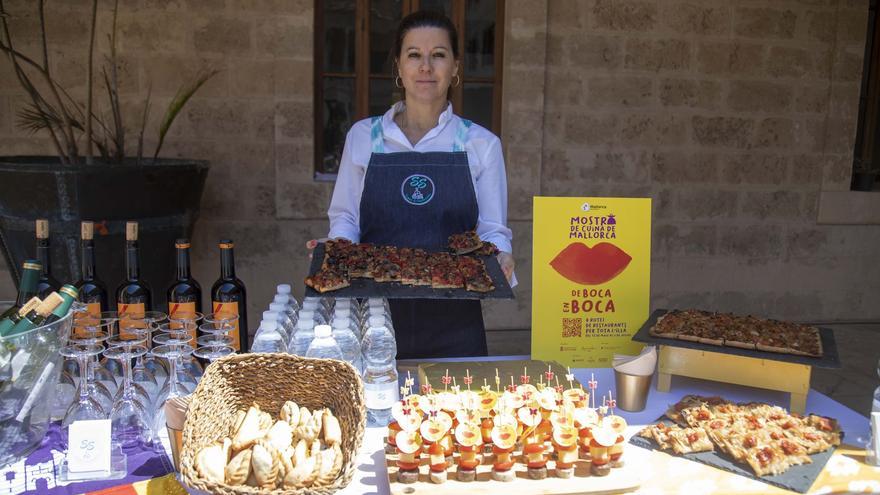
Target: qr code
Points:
(571, 327)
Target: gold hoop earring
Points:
(397, 82)
(457, 83)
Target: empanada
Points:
(239, 417)
(280, 435)
(266, 462)
(266, 422)
(332, 430)
(210, 462)
(331, 465)
(239, 468)
(305, 468)
(311, 429)
(249, 431)
(290, 413)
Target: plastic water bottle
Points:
(380, 393)
(284, 290)
(314, 305)
(268, 338)
(284, 318)
(273, 316)
(304, 334)
(379, 346)
(284, 301)
(324, 346)
(348, 342)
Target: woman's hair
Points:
(425, 18)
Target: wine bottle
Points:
(9, 322)
(68, 294)
(92, 291)
(38, 315)
(229, 295)
(30, 277)
(133, 297)
(185, 294)
(47, 283)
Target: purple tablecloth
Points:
(39, 473)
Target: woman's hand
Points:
(507, 264)
(313, 243)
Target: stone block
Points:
(784, 61)
(528, 14)
(730, 58)
(294, 162)
(811, 99)
(308, 200)
(662, 203)
(844, 100)
(656, 55)
(705, 204)
(848, 65)
(614, 167)
(689, 93)
(807, 170)
(6, 116)
(590, 129)
(216, 118)
(527, 90)
(852, 26)
(684, 240)
(730, 132)
(148, 32)
(840, 135)
(810, 205)
(751, 241)
(293, 78)
(754, 169)
(227, 35)
(525, 50)
(562, 89)
(676, 167)
(185, 5)
(837, 172)
(293, 119)
(653, 129)
(285, 36)
(696, 18)
(519, 204)
(763, 205)
(566, 14)
(168, 73)
(810, 135)
(756, 22)
(759, 96)
(521, 129)
(595, 52)
(619, 91)
(774, 132)
(624, 15)
(820, 26)
(302, 8)
(251, 77)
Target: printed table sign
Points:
(591, 278)
(89, 446)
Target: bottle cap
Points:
(341, 312)
(322, 331)
(42, 228)
(341, 322)
(270, 315)
(267, 324)
(283, 288)
(376, 301)
(306, 319)
(69, 290)
(281, 298)
(275, 306)
(377, 321)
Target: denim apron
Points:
(418, 200)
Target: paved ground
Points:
(852, 385)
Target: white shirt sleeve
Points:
(491, 189)
(344, 209)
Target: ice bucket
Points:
(29, 368)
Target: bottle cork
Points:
(29, 306)
(49, 304)
(87, 231)
(131, 231)
(42, 228)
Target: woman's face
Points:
(426, 64)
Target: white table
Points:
(371, 476)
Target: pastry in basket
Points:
(210, 462)
(239, 468)
(266, 463)
(250, 430)
(332, 430)
(330, 465)
(302, 469)
(290, 413)
(280, 435)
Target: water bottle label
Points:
(380, 395)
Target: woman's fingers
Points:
(311, 244)
(507, 264)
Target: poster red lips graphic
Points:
(590, 266)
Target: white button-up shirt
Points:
(484, 158)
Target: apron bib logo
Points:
(417, 189)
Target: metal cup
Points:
(175, 438)
(632, 390)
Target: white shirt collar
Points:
(393, 131)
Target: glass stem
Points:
(173, 390)
(126, 373)
(83, 361)
(90, 366)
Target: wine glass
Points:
(130, 423)
(129, 333)
(139, 327)
(85, 407)
(172, 353)
(89, 330)
(215, 341)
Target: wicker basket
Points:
(239, 380)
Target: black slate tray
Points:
(829, 359)
(366, 287)
(797, 478)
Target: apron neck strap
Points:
(377, 137)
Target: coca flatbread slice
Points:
(479, 284)
(444, 278)
(487, 249)
(663, 330)
(465, 242)
(690, 440)
(326, 281)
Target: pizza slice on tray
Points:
(465, 242)
(327, 280)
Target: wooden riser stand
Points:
(753, 372)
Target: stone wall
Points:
(733, 116)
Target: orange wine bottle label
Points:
(230, 307)
(182, 310)
(94, 309)
(130, 316)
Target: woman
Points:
(418, 174)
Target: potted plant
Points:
(864, 174)
(93, 175)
